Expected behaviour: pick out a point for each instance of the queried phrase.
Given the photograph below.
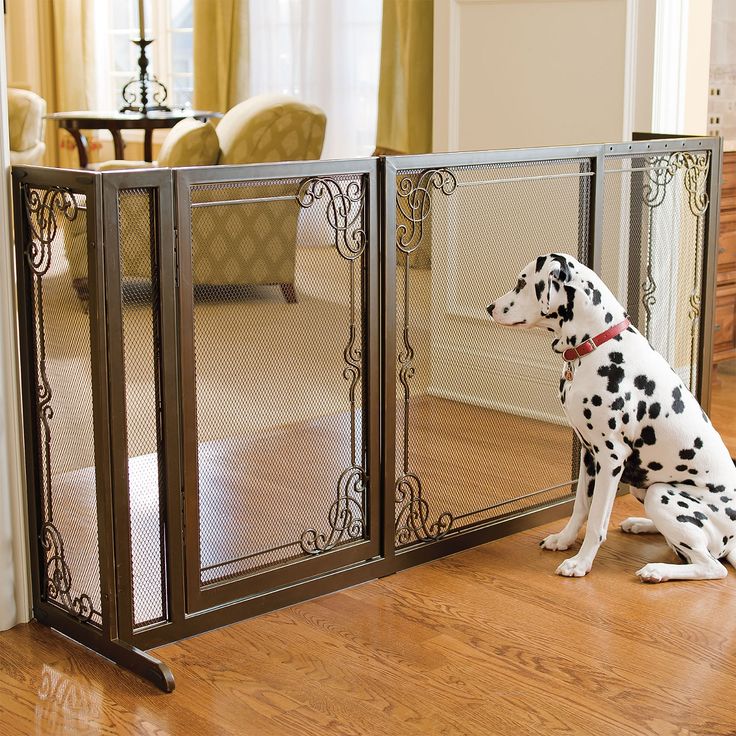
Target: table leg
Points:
(81, 142)
(118, 143)
(148, 144)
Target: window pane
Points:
(182, 91)
(181, 52)
(181, 14)
(121, 16)
(123, 53)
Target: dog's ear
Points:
(557, 273)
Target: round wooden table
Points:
(77, 121)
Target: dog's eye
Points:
(520, 285)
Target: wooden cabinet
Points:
(724, 337)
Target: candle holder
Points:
(137, 92)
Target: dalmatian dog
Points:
(637, 423)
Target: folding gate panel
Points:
(480, 434)
(653, 254)
(280, 407)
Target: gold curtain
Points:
(66, 30)
(405, 87)
(221, 54)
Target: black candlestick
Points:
(136, 92)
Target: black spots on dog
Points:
(608, 318)
(692, 471)
(520, 284)
(664, 500)
(596, 400)
(562, 385)
(648, 435)
(616, 471)
(678, 405)
(541, 260)
(685, 545)
(712, 507)
(615, 374)
(585, 400)
(567, 310)
(618, 403)
(616, 358)
(596, 297)
(725, 499)
(587, 413)
(591, 488)
(609, 444)
(683, 504)
(715, 488)
(641, 410)
(698, 443)
(654, 410)
(687, 454)
(680, 468)
(627, 396)
(696, 519)
(614, 456)
(625, 418)
(687, 482)
(730, 513)
(589, 425)
(686, 495)
(634, 474)
(612, 423)
(644, 384)
(655, 466)
(538, 289)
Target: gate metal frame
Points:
(116, 638)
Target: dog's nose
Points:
(490, 309)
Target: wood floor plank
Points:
(489, 641)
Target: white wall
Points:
(14, 582)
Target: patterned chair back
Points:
(271, 128)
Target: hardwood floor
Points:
(723, 404)
(485, 642)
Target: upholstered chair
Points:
(26, 112)
(242, 244)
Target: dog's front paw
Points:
(652, 573)
(575, 567)
(557, 541)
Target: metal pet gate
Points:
(246, 386)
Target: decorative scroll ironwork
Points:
(413, 206)
(41, 208)
(660, 172)
(58, 578)
(345, 515)
(413, 514)
(344, 209)
(345, 215)
(414, 203)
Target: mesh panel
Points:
(480, 430)
(278, 356)
(653, 249)
(58, 260)
(142, 394)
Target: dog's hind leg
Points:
(638, 525)
(681, 518)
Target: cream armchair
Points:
(26, 112)
(242, 244)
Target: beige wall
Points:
(516, 73)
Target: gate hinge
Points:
(176, 256)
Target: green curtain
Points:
(221, 54)
(405, 88)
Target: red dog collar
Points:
(595, 342)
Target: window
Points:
(169, 23)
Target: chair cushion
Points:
(190, 143)
(25, 116)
